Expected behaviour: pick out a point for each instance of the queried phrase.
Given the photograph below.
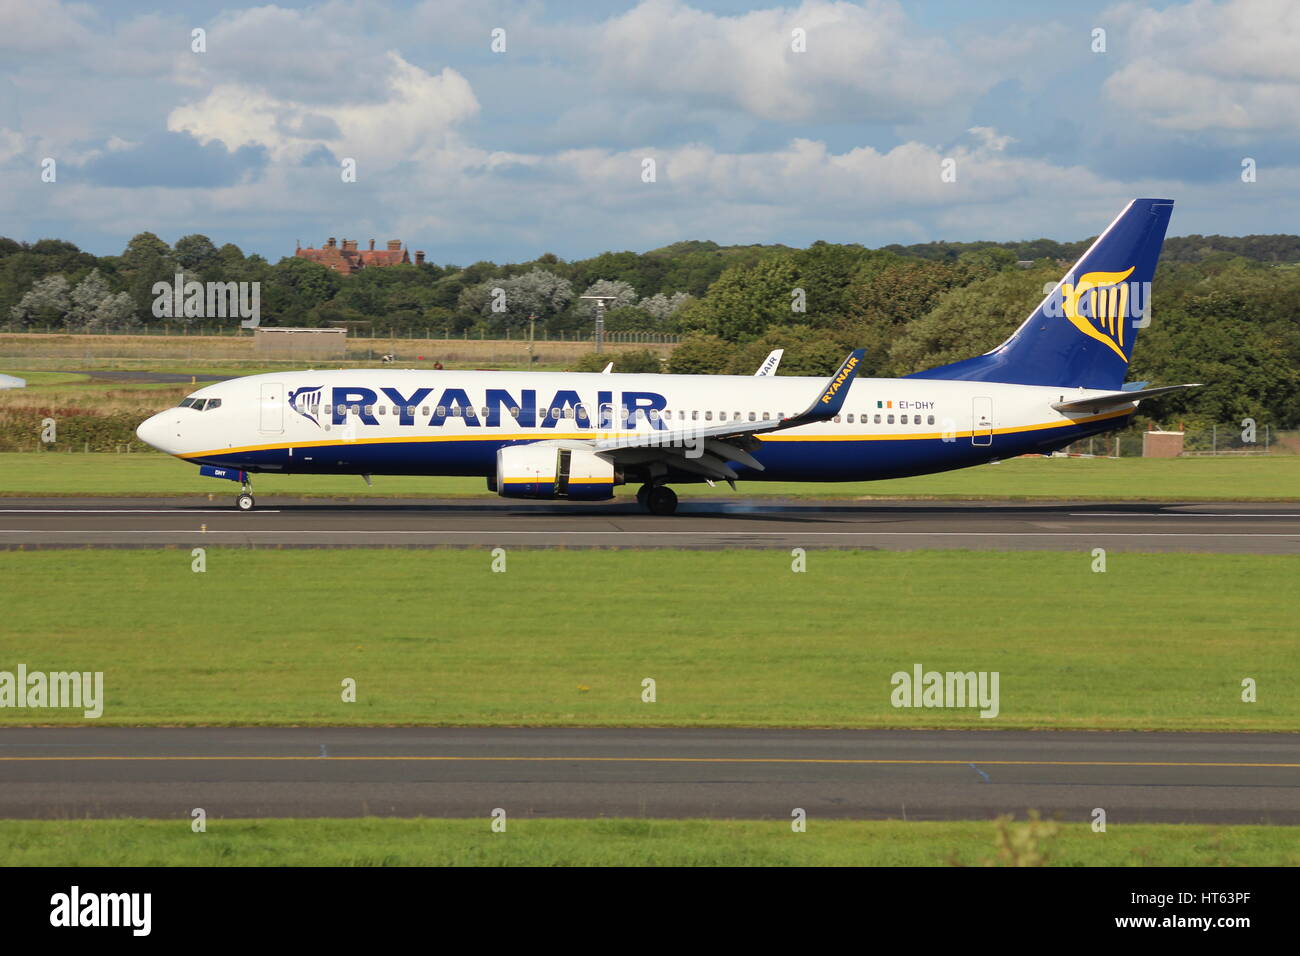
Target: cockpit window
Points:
(212, 403)
(200, 404)
(186, 403)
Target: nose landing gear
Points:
(245, 501)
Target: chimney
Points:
(394, 245)
(372, 245)
(419, 257)
(349, 245)
(329, 243)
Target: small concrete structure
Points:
(301, 343)
(1162, 444)
(9, 381)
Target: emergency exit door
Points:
(981, 423)
(272, 408)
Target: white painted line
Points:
(1174, 514)
(698, 534)
(118, 511)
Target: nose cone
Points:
(159, 432)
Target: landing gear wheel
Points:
(643, 495)
(661, 500)
(245, 502)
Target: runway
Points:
(683, 773)
(1221, 527)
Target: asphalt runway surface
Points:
(1221, 527)
(664, 773)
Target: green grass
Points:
(622, 842)
(1275, 478)
(34, 379)
(732, 638)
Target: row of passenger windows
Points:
(201, 404)
(580, 413)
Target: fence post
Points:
(1214, 439)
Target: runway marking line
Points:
(744, 534)
(798, 760)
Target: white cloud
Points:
(1207, 66)
(862, 62)
(413, 118)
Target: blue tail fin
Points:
(1082, 333)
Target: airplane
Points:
(577, 436)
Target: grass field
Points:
(433, 842)
(1274, 478)
(732, 638)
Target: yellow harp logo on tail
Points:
(1107, 307)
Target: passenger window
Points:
(890, 419)
(876, 419)
(708, 416)
(442, 411)
(929, 419)
(836, 419)
(582, 413)
(695, 415)
(850, 418)
(356, 409)
(752, 416)
(370, 409)
(514, 411)
(382, 409)
(568, 413)
(654, 414)
(454, 410)
(722, 416)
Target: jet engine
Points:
(549, 470)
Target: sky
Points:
(631, 125)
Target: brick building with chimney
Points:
(346, 259)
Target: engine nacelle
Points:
(550, 470)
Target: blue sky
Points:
(473, 154)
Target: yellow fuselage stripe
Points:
(593, 436)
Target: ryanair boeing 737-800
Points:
(576, 436)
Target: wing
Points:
(706, 450)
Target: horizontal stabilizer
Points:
(1095, 403)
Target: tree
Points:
(968, 320)
(46, 303)
(808, 351)
(700, 355)
(623, 292)
(661, 307)
(196, 253)
(540, 292)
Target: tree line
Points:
(1226, 310)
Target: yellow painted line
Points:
(602, 436)
(794, 760)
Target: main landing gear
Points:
(245, 500)
(657, 499)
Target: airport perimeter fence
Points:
(65, 351)
(1226, 439)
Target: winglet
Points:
(831, 399)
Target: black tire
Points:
(245, 502)
(662, 501)
(643, 497)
